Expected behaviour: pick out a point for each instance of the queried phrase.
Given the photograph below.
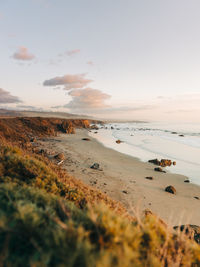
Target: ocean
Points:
(175, 141)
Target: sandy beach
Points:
(123, 178)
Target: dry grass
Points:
(22, 168)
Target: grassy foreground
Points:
(48, 218)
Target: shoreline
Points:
(123, 178)
(155, 143)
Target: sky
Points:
(126, 59)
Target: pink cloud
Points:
(87, 99)
(75, 81)
(23, 54)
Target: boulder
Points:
(149, 178)
(154, 161)
(159, 170)
(86, 139)
(165, 162)
(95, 166)
(60, 156)
(192, 231)
(187, 181)
(181, 135)
(112, 128)
(173, 132)
(170, 189)
(94, 127)
(162, 162)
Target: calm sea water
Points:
(157, 140)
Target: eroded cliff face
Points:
(23, 129)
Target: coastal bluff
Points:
(23, 129)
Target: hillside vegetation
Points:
(48, 218)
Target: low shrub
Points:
(18, 167)
(41, 229)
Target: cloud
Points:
(73, 52)
(7, 98)
(87, 99)
(23, 54)
(76, 81)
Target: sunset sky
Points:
(110, 58)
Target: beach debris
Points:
(192, 231)
(60, 156)
(118, 141)
(60, 162)
(187, 181)
(86, 139)
(196, 197)
(159, 170)
(170, 189)
(95, 166)
(149, 178)
(125, 191)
